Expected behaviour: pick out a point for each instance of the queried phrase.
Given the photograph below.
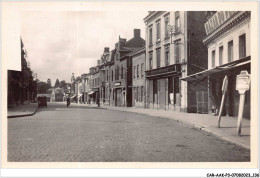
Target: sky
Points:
(60, 43)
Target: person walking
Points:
(68, 101)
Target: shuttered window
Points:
(242, 46)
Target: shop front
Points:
(163, 88)
(213, 79)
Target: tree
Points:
(57, 83)
(43, 87)
(49, 82)
(78, 79)
(63, 84)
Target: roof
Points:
(206, 73)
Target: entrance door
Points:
(150, 94)
(202, 102)
(118, 97)
(162, 94)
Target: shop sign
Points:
(217, 19)
(243, 82)
(164, 70)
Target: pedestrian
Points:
(68, 101)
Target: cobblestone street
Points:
(83, 134)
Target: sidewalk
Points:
(206, 122)
(22, 110)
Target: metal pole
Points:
(224, 89)
(240, 112)
(221, 108)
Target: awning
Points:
(204, 74)
(92, 92)
(80, 95)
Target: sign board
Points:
(243, 81)
(217, 19)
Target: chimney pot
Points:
(137, 33)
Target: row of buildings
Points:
(180, 65)
(22, 88)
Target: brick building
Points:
(121, 70)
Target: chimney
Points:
(98, 62)
(106, 50)
(137, 33)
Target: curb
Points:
(195, 126)
(23, 115)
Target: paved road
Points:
(84, 134)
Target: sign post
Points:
(242, 85)
(224, 89)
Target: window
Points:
(177, 21)
(112, 76)
(213, 58)
(167, 55)
(158, 57)
(220, 55)
(134, 71)
(166, 26)
(242, 46)
(137, 94)
(151, 60)
(117, 73)
(142, 69)
(142, 93)
(150, 36)
(158, 30)
(137, 71)
(122, 70)
(177, 51)
(230, 51)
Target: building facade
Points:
(22, 88)
(174, 49)
(229, 53)
(138, 75)
(121, 70)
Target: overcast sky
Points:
(60, 43)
